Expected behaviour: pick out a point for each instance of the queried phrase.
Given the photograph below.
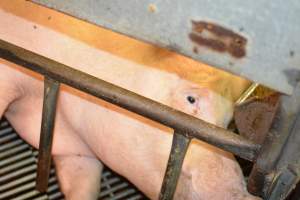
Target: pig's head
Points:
(208, 172)
(202, 103)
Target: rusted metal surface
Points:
(51, 90)
(270, 56)
(280, 150)
(254, 117)
(180, 145)
(245, 95)
(180, 121)
(218, 38)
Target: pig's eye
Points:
(191, 99)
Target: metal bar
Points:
(232, 35)
(51, 89)
(179, 147)
(247, 93)
(170, 117)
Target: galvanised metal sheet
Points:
(259, 40)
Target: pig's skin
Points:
(91, 128)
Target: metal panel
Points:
(258, 40)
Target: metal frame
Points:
(186, 127)
(276, 170)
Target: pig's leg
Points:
(79, 176)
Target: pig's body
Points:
(88, 129)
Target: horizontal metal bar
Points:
(180, 121)
(179, 147)
(51, 89)
(13, 151)
(258, 40)
(8, 161)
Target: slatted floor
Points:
(18, 172)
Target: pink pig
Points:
(89, 131)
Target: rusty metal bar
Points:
(51, 89)
(180, 145)
(170, 117)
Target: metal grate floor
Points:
(18, 172)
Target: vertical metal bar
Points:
(273, 157)
(51, 89)
(179, 147)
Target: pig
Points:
(89, 131)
